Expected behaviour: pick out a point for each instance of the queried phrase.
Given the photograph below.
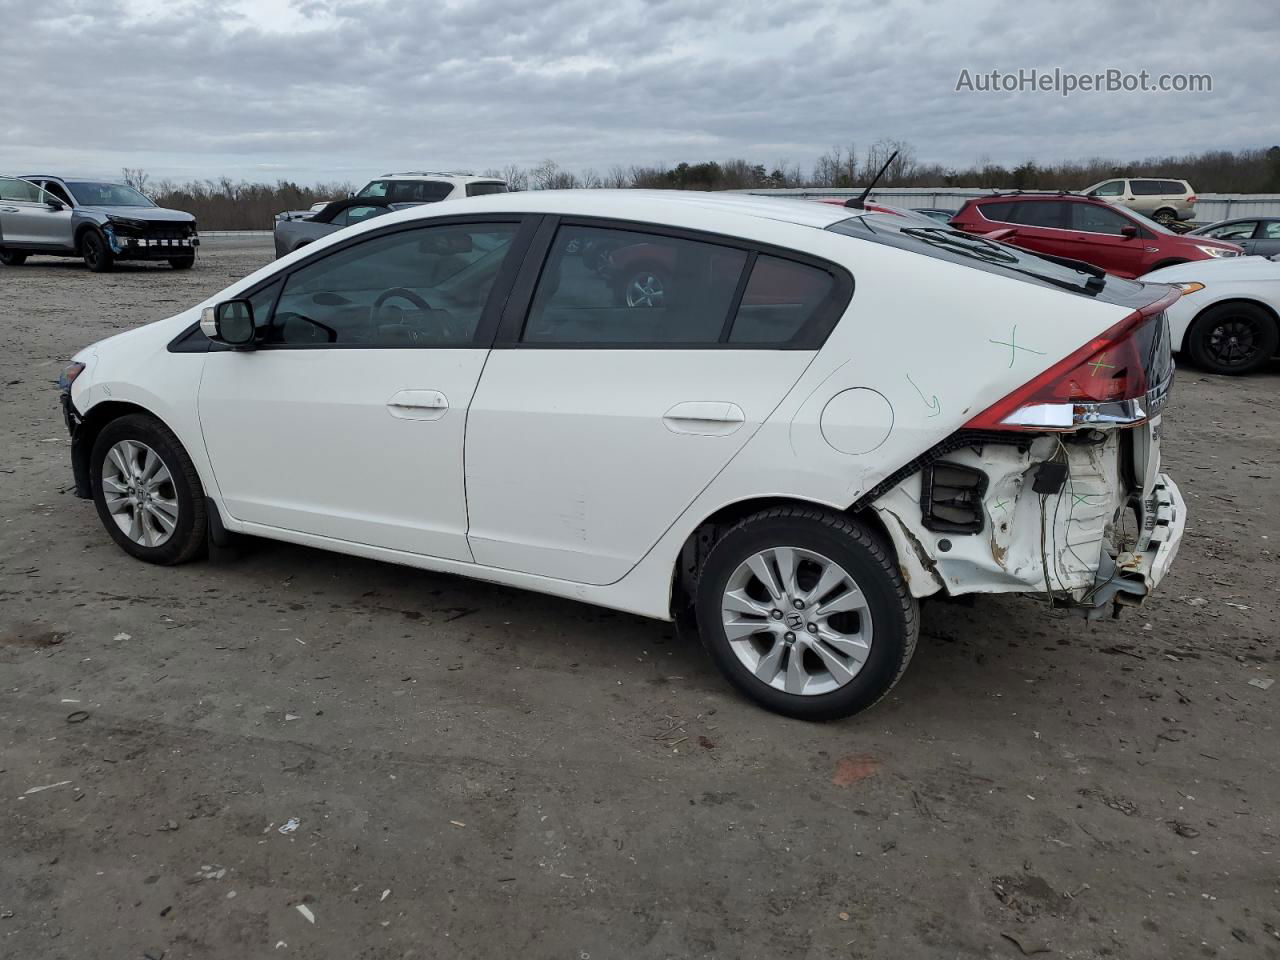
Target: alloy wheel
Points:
(1234, 341)
(645, 290)
(139, 493)
(797, 620)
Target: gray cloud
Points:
(329, 90)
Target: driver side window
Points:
(424, 287)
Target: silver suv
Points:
(1164, 201)
(100, 221)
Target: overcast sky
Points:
(322, 90)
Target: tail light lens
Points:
(1120, 378)
(1191, 199)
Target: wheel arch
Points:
(86, 435)
(1267, 308)
(704, 535)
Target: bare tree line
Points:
(227, 204)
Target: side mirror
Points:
(54, 203)
(230, 322)
(1129, 232)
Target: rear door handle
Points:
(705, 418)
(418, 405)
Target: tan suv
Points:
(1162, 200)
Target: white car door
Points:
(346, 421)
(627, 374)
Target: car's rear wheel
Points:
(12, 258)
(1165, 216)
(1233, 338)
(805, 612)
(183, 263)
(97, 255)
(147, 491)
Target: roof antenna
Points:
(860, 202)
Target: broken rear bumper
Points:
(1136, 573)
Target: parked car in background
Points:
(1165, 201)
(1259, 236)
(293, 233)
(422, 187)
(1228, 318)
(826, 460)
(1117, 240)
(100, 221)
(935, 213)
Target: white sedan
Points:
(1228, 319)
(789, 422)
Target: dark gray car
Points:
(295, 230)
(1260, 236)
(100, 221)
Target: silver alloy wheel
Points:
(645, 290)
(797, 620)
(139, 493)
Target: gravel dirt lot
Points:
(479, 772)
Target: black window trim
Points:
(191, 340)
(812, 336)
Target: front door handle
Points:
(418, 405)
(705, 418)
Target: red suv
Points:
(1119, 241)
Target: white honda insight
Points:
(790, 421)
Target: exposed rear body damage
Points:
(1093, 541)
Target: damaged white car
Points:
(791, 421)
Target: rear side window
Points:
(1000, 212)
(1040, 213)
(1271, 230)
(484, 189)
(408, 191)
(615, 287)
(1174, 187)
(781, 297)
(1153, 188)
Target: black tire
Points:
(893, 611)
(96, 252)
(1165, 217)
(183, 263)
(1233, 338)
(191, 530)
(12, 258)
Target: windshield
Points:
(96, 193)
(990, 256)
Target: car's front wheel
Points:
(97, 255)
(1233, 338)
(147, 491)
(12, 258)
(805, 612)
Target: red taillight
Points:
(1191, 199)
(1090, 386)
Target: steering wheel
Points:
(443, 316)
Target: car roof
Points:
(643, 205)
(456, 176)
